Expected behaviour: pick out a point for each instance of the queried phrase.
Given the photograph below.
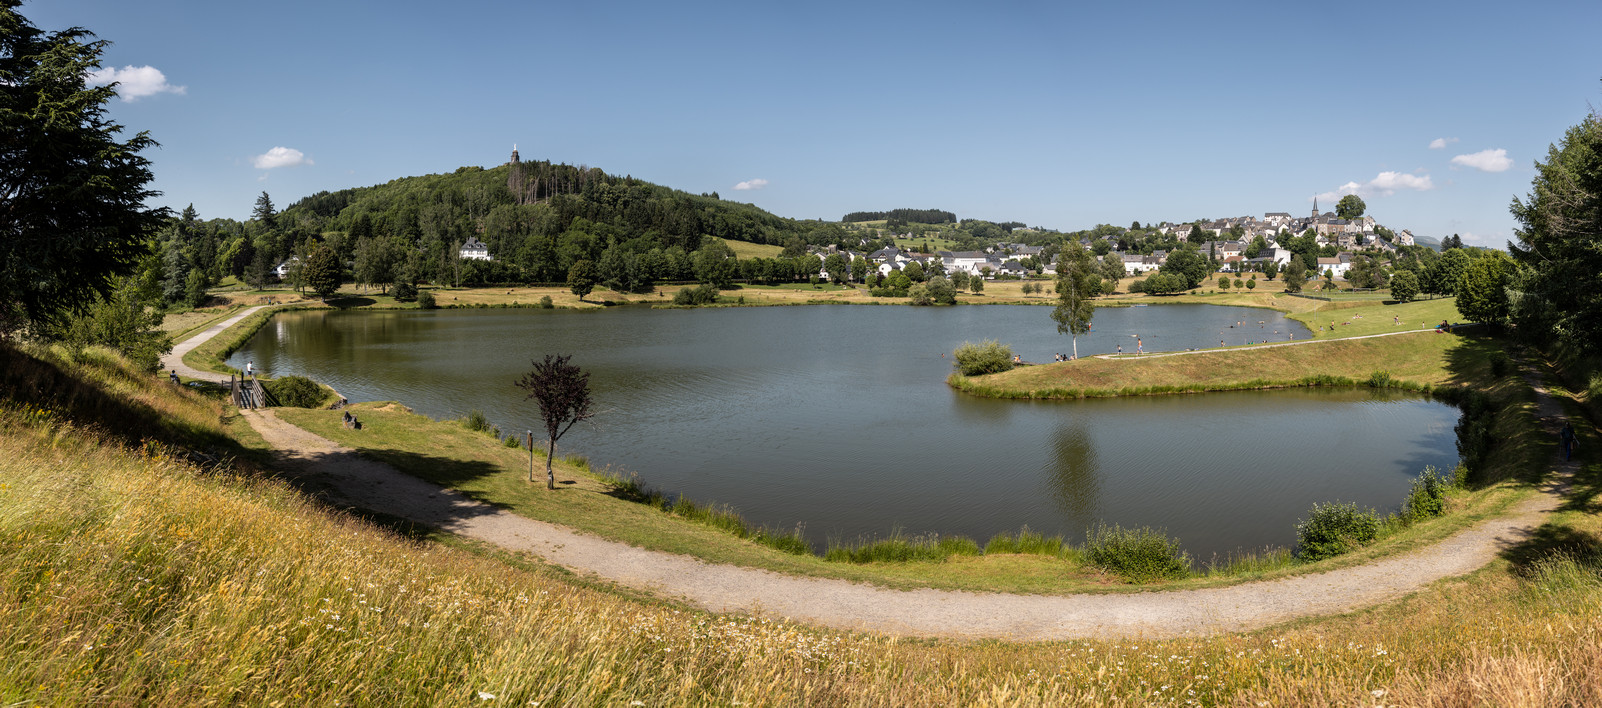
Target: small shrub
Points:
(1427, 496)
(405, 292)
(1252, 284)
(986, 357)
(1333, 529)
(546, 303)
(1381, 379)
(704, 294)
(1137, 555)
(1593, 392)
(1500, 364)
(425, 300)
(476, 421)
(512, 441)
(294, 392)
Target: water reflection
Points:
(1075, 479)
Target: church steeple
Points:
(1315, 197)
(514, 154)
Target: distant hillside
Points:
(1430, 241)
(538, 219)
(915, 216)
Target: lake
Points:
(838, 418)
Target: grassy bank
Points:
(131, 576)
(1420, 361)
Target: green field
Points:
(746, 249)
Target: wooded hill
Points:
(538, 217)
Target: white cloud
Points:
(280, 157)
(750, 184)
(1485, 160)
(1441, 143)
(134, 82)
(1383, 185)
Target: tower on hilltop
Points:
(1315, 197)
(514, 154)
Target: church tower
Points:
(1315, 198)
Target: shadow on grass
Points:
(1551, 540)
(350, 301)
(425, 493)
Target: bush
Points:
(425, 300)
(919, 293)
(1333, 529)
(986, 357)
(512, 441)
(1427, 497)
(1138, 286)
(1251, 284)
(476, 421)
(1381, 379)
(546, 304)
(1137, 555)
(704, 294)
(405, 292)
(295, 392)
(1500, 364)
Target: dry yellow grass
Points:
(130, 577)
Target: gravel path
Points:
(925, 613)
(175, 360)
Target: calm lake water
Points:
(838, 417)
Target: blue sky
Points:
(1053, 114)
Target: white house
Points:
(282, 269)
(476, 250)
(1339, 264)
(970, 261)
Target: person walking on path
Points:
(1139, 348)
(1566, 440)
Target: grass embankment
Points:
(128, 576)
(1422, 360)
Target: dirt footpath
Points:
(929, 613)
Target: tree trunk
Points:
(550, 458)
(1076, 347)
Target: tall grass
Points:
(900, 548)
(131, 577)
(716, 516)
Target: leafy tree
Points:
(581, 278)
(1223, 284)
(1251, 284)
(976, 284)
(1446, 274)
(1270, 269)
(195, 289)
(1366, 273)
(837, 268)
(1559, 294)
(1112, 269)
(914, 271)
(1295, 276)
(1404, 286)
(1350, 206)
(1164, 284)
(859, 268)
(941, 291)
(1482, 291)
(715, 263)
(175, 275)
(124, 319)
(959, 279)
(72, 196)
(322, 271)
(1077, 284)
(562, 391)
(1189, 264)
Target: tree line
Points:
(915, 216)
